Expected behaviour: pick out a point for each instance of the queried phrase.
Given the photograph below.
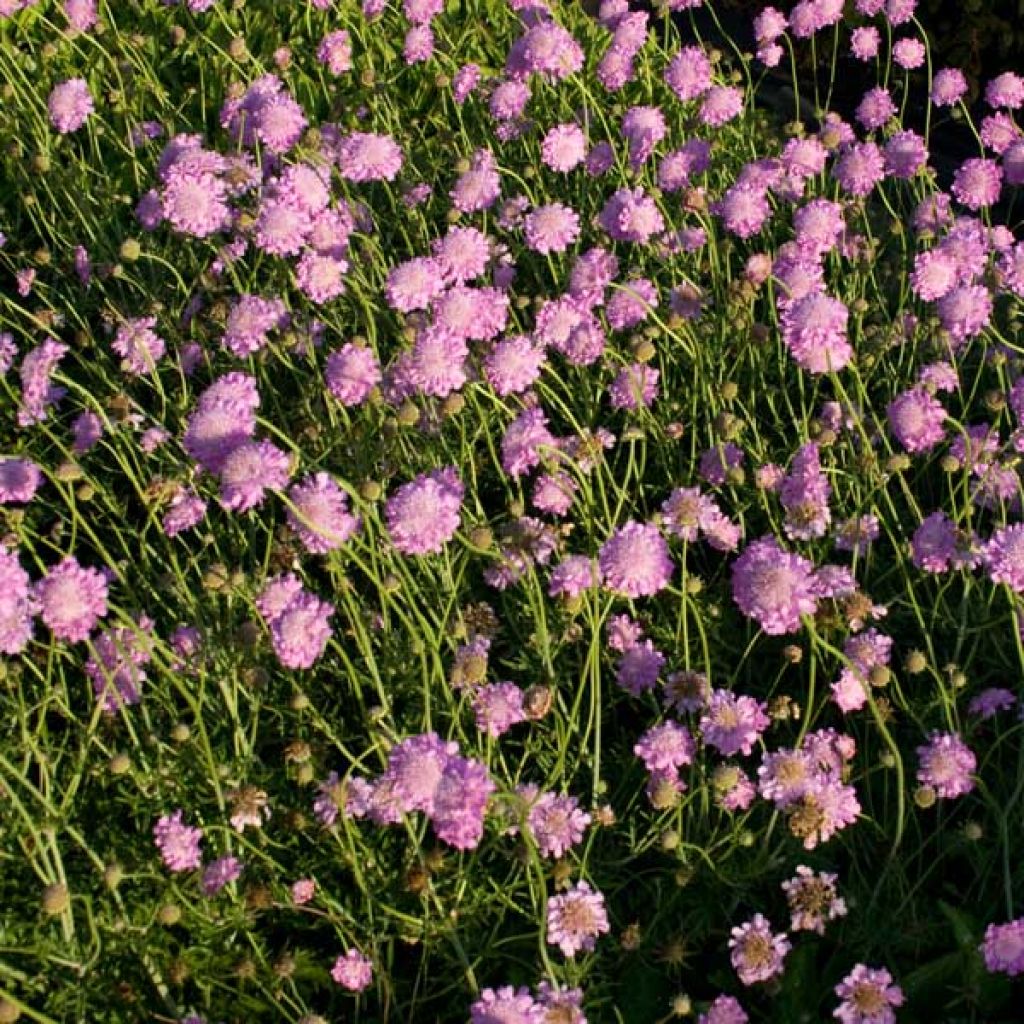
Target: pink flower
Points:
(353, 970)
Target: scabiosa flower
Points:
(1003, 948)
(415, 767)
(991, 701)
(946, 764)
(965, 312)
(178, 843)
(19, 480)
(774, 587)
(418, 45)
(934, 546)
(353, 970)
(478, 187)
(282, 228)
(37, 391)
(250, 321)
(87, 429)
(514, 364)
(635, 561)
(551, 228)
(523, 441)
(757, 954)
(576, 918)
(497, 707)
(935, 274)
(864, 42)
(364, 156)
(319, 514)
(999, 132)
(564, 147)
(1005, 90)
(507, 1005)
(868, 996)
(977, 183)
(17, 604)
(814, 331)
(665, 748)
(335, 51)
(299, 622)
(859, 168)
(731, 724)
(948, 86)
(250, 470)
(138, 345)
(460, 803)
(744, 210)
(875, 108)
(916, 420)
(464, 82)
(423, 515)
(70, 105)
(571, 577)
(219, 873)
(716, 462)
(72, 599)
(81, 14)
(1004, 556)
(724, 1010)
(352, 373)
(719, 105)
(804, 493)
(643, 128)
(634, 387)
(117, 664)
(688, 74)
(186, 510)
(546, 49)
(556, 823)
(630, 215)
(813, 900)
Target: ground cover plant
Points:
(500, 526)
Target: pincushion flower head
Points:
(814, 331)
(319, 514)
(299, 621)
(351, 373)
(353, 970)
(635, 561)
(724, 1010)
(946, 764)
(423, 515)
(177, 842)
(757, 953)
(1003, 948)
(552, 227)
(507, 1005)
(813, 899)
(732, 723)
(70, 105)
(564, 147)
(364, 156)
(916, 420)
(774, 587)
(576, 918)
(72, 599)
(460, 802)
(868, 996)
(19, 480)
(557, 823)
(250, 470)
(17, 604)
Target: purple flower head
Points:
(70, 105)
(363, 157)
(72, 599)
(731, 723)
(564, 147)
(868, 996)
(665, 748)
(513, 365)
(556, 823)
(916, 420)
(351, 373)
(319, 514)
(1003, 948)
(635, 561)
(977, 183)
(524, 440)
(630, 215)
(946, 764)
(415, 767)
(813, 900)
(460, 803)
(353, 970)
(497, 707)
(814, 331)
(249, 471)
(37, 392)
(576, 918)
(551, 228)
(19, 480)
(507, 1005)
(774, 587)
(757, 953)
(139, 346)
(724, 1010)
(219, 873)
(423, 515)
(178, 843)
(17, 604)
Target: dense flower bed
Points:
(498, 527)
